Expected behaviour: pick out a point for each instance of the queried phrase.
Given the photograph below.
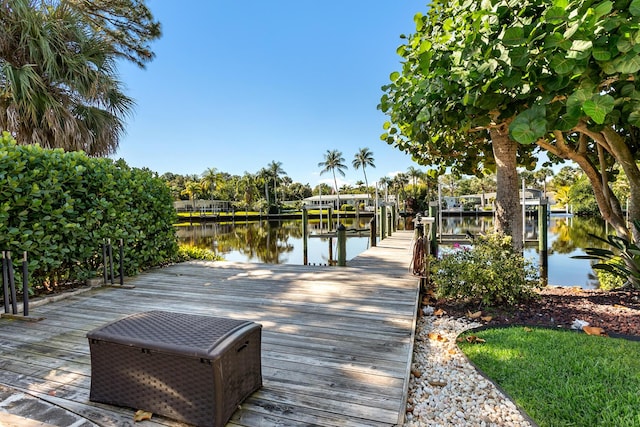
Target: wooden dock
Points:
(337, 342)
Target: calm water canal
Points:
(280, 242)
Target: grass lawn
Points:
(563, 378)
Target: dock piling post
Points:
(373, 231)
(25, 285)
(342, 245)
(305, 232)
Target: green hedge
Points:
(60, 207)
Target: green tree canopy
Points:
(452, 103)
(127, 25)
(561, 75)
(581, 61)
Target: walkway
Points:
(337, 342)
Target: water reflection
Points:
(281, 242)
(275, 242)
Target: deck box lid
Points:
(175, 333)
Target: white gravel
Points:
(445, 390)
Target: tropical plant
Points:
(333, 161)
(621, 250)
(491, 272)
(58, 80)
(415, 175)
(60, 207)
(275, 170)
(209, 182)
(362, 159)
(561, 75)
(192, 189)
(583, 201)
(581, 68)
(450, 106)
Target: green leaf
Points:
(529, 126)
(576, 100)
(624, 44)
(628, 64)
(603, 8)
(601, 54)
(425, 46)
(555, 15)
(634, 8)
(519, 56)
(580, 49)
(634, 118)
(562, 65)
(513, 36)
(567, 122)
(394, 76)
(598, 107)
(569, 32)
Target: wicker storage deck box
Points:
(195, 369)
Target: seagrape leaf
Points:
(529, 126)
(513, 36)
(555, 15)
(580, 49)
(576, 100)
(601, 54)
(634, 118)
(561, 64)
(634, 8)
(628, 64)
(603, 8)
(567, 122)
(598, 107)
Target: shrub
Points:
(609, 281)
(186, 252)
(490, 272)
(60, 207)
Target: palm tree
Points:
(386, 181)
(399, 182)
(415, 174)
(209, 182)
(58, 81)
(263, 176)
(333, 161)
(247, 188)
(192, 189)
(362, 159)
(275, 169)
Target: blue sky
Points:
(236, 84)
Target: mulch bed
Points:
(617, 312)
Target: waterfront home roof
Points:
(329, 197)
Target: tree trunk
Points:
(508, 211)
(625, 159)
(608, 203)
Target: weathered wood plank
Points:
(337, 342)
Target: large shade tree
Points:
(581, 61)
(561, 74)
(450, 107)
(58, 79)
